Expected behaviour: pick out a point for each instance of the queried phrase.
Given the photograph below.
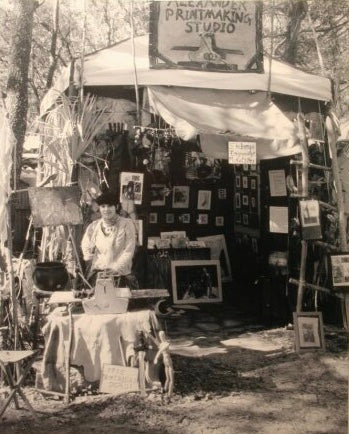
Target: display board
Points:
(217, 36)
(53, 206)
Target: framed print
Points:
(204, 199)
(245, 219)
(253, 167)
(253, 202)
(152, 242)
(309, 212)
(309, 333)
(340, 269)
(245, 200)
(253, 183)
(184, 218)
(157, 194)
(238, 181)
(180, 198)
(219, 251)
(131, 187)
(203, 219)
(245, 182)
(245, 167)
(201, 166)
(237, 200)
(153, 217)
(238, 218)
(222, 193)
(196, 281)
(170, 218)
(220, 220)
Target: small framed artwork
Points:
(253, 167)
(184, 218)
(203, 219)
(245, 219)
(220, 220)
(245, 167)
(253, 183)
(340, 270)
(157, 194)
(238, 181)
(180, 198)
(238, 218)
(237, 200)
(222, 193)
(153, 217)
(244, 182)
(196, 281)
(245, 200)
(309, 331)
(204, 199)
(253, 202)
(170, 218)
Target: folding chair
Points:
(12, 357)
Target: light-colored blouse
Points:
(113, 251)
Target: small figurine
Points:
(164, 350)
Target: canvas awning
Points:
(114, 67)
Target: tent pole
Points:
(134, 64)
(271, 50)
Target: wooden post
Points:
(67, 357)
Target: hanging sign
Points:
(242, 153)
(309, 211)
(209, 35)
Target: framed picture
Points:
(219, 252)
(222, 193)
(244, 182)
(153, 217)
(245, 167)
(184, 218)
(238, 218)
(340, 269)
(180, 198)
(157, 194)
(253, 183)
(131, 187)
(203, 219)
(238, 181)
(204, 199)
(253, 202)
(220, 220)
(196, 281)
(253, 167)
(245, 219)
(309, 331)
(201, 166)
(170, 218)
(244, 200)
(237, 200)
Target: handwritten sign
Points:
(117, 379)
(242, 153)
(211, 35)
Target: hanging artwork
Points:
(157, 194)
(180, 197)
(201, 166)
(131, 187)
(204, 199)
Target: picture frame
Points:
(180, 196)
(219, 220)
(245, 167)
(196, 281)
(238, 181)
(238, 218)
(245, 200)
(253, 202)
(184, 218)
(253, 183)
(245, 182)
(204, 199)
(153, 217)
(339, 270)
(222, 193)
(131, 187)
(245, 219)
(202, 219)
(237, 200)
(219, 252)
(157, 194)
(169, 218)
(309, 331)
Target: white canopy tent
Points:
(214, 103)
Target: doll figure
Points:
(164, 350)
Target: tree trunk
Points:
(17, 84)
(296, 13)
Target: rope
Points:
(134, 64)
(271, 50)
(83, 56)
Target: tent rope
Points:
(134, 64)
(82, 61)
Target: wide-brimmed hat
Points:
(108, 198)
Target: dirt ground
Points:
(230, 378)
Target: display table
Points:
(96, 340)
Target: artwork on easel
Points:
(219, 251)
(54, 206)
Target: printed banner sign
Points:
(242, 153)
(207, 35)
